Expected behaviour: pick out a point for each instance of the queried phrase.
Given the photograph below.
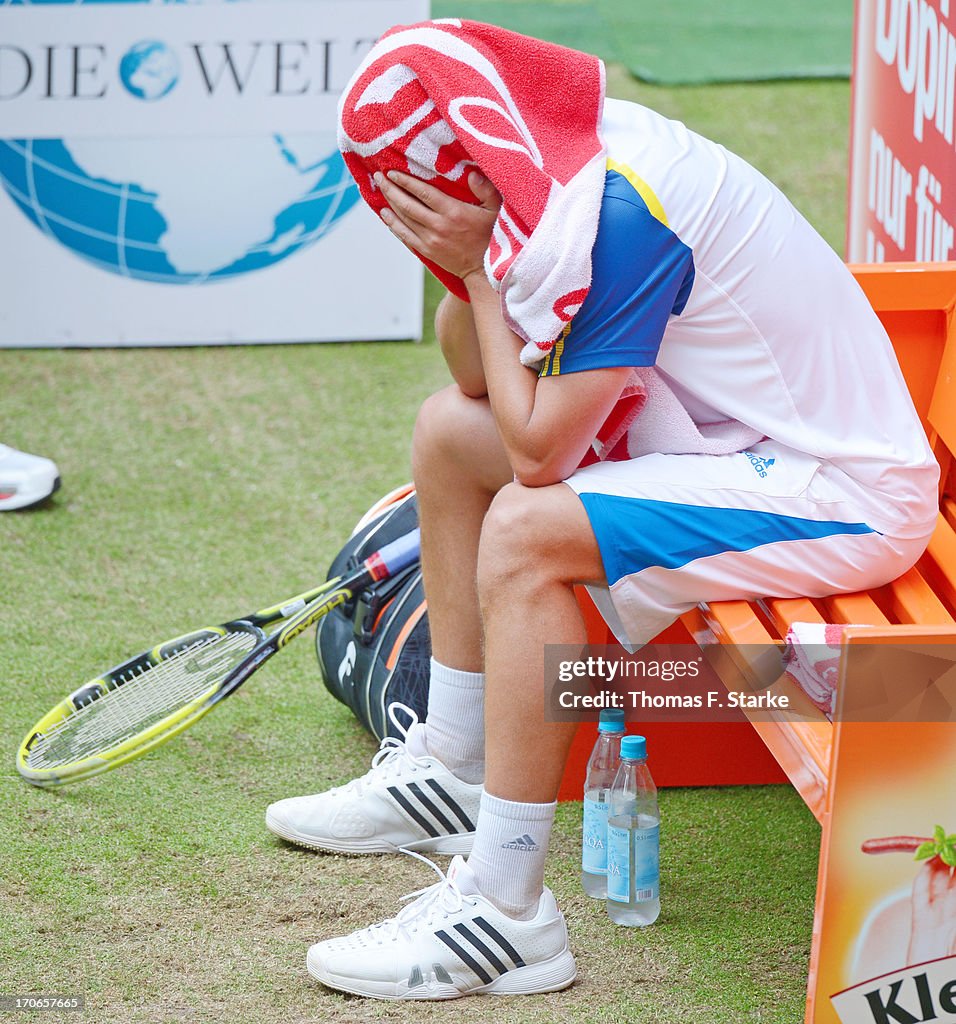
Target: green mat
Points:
(690, 42)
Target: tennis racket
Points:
(149, 699)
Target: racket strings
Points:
(143, 699)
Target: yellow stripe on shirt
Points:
(558, 349)
(640, 186)
(551, 366)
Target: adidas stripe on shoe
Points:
(450, 942)
(407, 800)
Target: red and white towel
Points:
(441, 98)
(811, 658)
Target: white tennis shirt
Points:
(775, 332)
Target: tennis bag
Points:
(376, 648)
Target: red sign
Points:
(903, 156)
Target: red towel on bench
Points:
(812, 660)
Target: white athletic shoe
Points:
(450, 942)
(407, 800)
(25, 479)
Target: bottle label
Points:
(646, 863)
(594, 843)
(617, 863)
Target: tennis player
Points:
(704, 270)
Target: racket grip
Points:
(394, 557)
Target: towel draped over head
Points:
(442, 98)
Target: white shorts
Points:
(677, 530)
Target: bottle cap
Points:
(633, 748)
(611, 720)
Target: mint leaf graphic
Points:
(941, 845)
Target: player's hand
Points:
(450, 233)
(933, 931)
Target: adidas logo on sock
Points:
(526, 843)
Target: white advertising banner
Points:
(169, 175)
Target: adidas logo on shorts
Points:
(759, 464)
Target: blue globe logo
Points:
(149, 70)
(187, 210)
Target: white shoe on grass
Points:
(450, 942)
(407, 800)
(25, 479)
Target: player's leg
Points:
(424, 793)
(459, 465)
(536, 544)
(492, 925)
(669, 531)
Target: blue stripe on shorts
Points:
(637, 533)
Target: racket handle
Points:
(394, 557)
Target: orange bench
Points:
(917, 305)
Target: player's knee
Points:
(439, 427)
(513, 540)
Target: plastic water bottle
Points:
(633, 833)
(602, 767)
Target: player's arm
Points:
(458, 338)
(546, 424)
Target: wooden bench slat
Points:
(911, 599)
(736, 622)
(948, 508)
(938, 564)
(803, 749)
(785, 611)
(860, 609)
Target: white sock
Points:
(511, 844)
(455, 722)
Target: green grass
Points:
(199, 483)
